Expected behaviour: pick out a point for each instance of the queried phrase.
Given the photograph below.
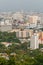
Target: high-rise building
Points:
(41, 37)
(34, 19)
(34, 41)
(22, 34)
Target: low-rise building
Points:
(5, 26)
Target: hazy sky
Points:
(17, 5)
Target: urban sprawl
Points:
(21, 38)
(28, 26)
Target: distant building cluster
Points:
(24, 25)
(20, 20)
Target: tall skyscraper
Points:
(34, 41)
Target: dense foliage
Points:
(20, 55)
(8, 37)
(22, 59)
(17, 53)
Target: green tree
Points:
(38, 59)
(11, 60)
(3, 61)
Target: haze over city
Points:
(17, 5)
(21, 32)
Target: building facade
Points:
(34, 42)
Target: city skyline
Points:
(18, 5)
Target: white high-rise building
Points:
(34, 41)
